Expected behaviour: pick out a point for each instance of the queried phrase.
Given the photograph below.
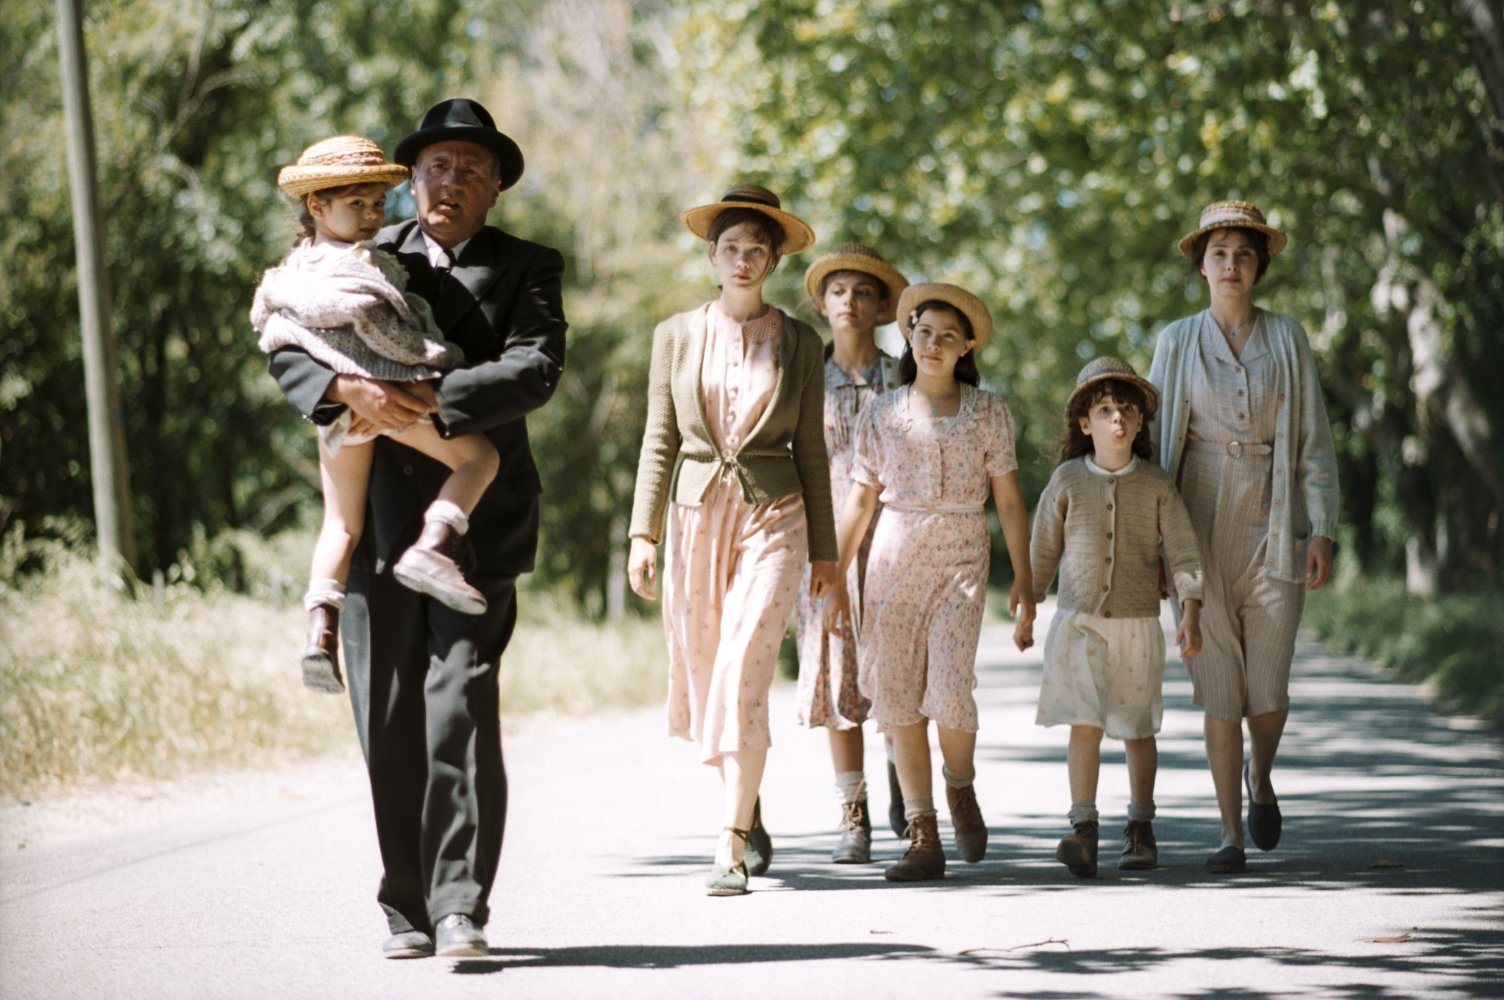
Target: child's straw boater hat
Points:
(1233, 215)
(855, 257)
(1103, 369)
(337, 162)
(797, 235)
(460, 119)
(954, 296)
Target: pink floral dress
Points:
(927, 574)
(828, 692)
(732, 569)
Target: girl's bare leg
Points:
(471, 458)
(911, 754)
(1083, 761)
(846, 749)
(344, 478)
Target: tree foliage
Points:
(1046, 154)
(1049, 153)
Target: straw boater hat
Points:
(1234, 215)
(856, 257)
(1102, 369)
(460, 119)
(797, 235)
(345, 159)
(952, 295)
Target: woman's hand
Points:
(822, 578)
(1021, 606)
(1318, 562)
(642, 568)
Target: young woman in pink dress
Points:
(931, 452)
(733, 481)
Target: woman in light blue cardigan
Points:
(1243, 429)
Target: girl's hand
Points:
(822, 578)
(642, 568)
(837, 607)
(1188, 636)
(1023, 636)
(1318, 562)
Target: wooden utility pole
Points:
(107, 465)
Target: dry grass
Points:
(96, 685)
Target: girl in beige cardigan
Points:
(1101, 521)
(733, 480)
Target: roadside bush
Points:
(1451, 643)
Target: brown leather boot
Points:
(1077, 850)
(321, 654)
(967, 823)
(925, 859)
(430, 567)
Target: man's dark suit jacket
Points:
(502, 304)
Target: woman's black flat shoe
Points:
(759, 844)
(1228, 861)
(1264, 821)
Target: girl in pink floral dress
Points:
(931, 451)
(733, 480)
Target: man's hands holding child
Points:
(377, 406)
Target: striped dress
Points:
(1248, 618)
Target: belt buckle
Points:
(1235, 449)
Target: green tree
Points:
(1048, 153)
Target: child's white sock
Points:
(449, 513)
(919, 805)
(851, 786)
(1140, 814)
(324, 591)
(1083, 812)
(955, 780)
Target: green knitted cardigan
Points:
(785, 453)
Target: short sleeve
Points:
(1000, 455)
(867, 453)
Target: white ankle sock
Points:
(1140, 814)
(851, 786)
(324, 591)
(449, 513)
(1083, 812)
(919, 805)
(955, 780)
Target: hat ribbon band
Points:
(750, 200)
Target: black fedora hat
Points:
(460, 119)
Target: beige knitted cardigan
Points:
(785, 453)
(345, 305)
(1103, 533)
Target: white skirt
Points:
(1103, 672)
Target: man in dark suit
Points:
(423, 678)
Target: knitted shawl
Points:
(346, 306)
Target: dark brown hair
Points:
(307, 230)
(966, 365)
(1076, 443)
(766, 226)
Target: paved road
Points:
(1389, 882)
